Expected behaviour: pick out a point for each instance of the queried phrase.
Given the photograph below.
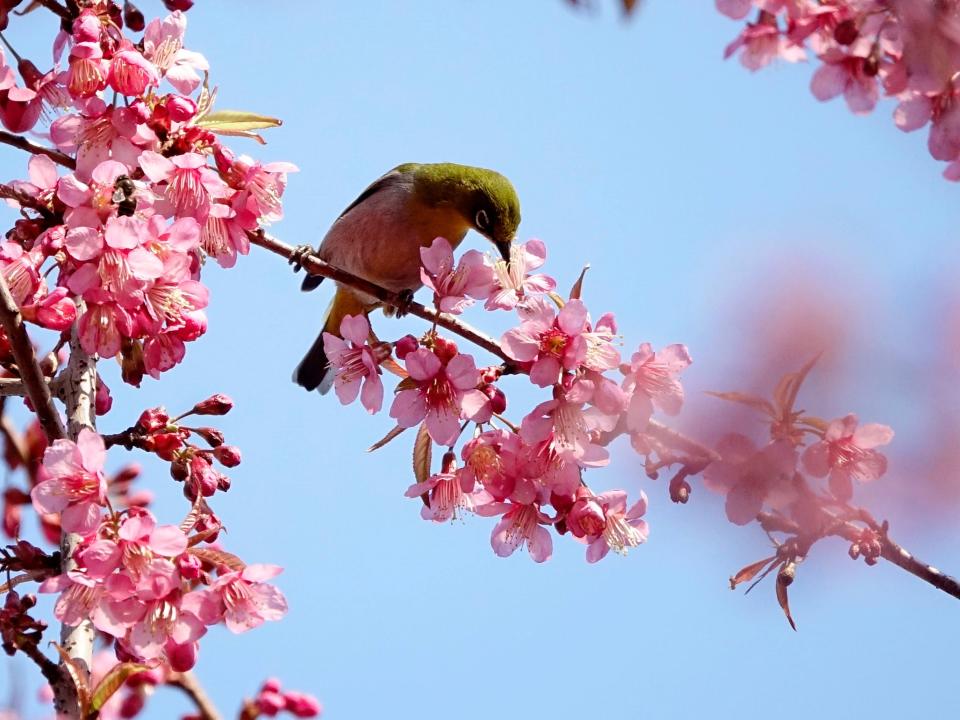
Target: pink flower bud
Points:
(271, 685)
(86, 28)
(165, 445)
(444, 349)
(189, 567)
(103, 400)
(562, 502)
(498, 401)
(152, 420)
(270, 703)
(302, 705)
(405, 345)
(181, 657)
(180, 109)
(132, 17)
(56, 311)
(51, 241)
(203, 475)
(132, 705)
(218, 404)
(227, 455)
(131, 73)
(181, 5)
(212, 436)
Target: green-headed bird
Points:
(379, 237)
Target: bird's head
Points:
(485, 199)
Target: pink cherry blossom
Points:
(445, 392)
(762, 43)
(87, 74)
(19, 270)
(163, 46)
(191, 185)
(847, 75)
(72, 482)
(551, 342)
(261, 187)
(847, 453)
(651, 381)
(514, 285)
(752, 478)
(241, 599)
(521, 524)
(355, 364)
(452, 284)
(447, 498)
(623, 529)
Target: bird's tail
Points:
(314, 370)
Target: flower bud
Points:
(227, 455)
(56, 311)
(130, 73)
(132, 17)
(846, 32)
(189, 566)
(132, 705)
(181, 5)
(103, 401)
(444, 349)
(180, 108)
(181, 657)
(86, 28)
(212, 436)
(271, 685)
(405, 345)
(153, 419)
(302, 705)
(179, 470)
(218, 404)
(270, 703)
(498, 401)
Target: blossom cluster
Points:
(530, 474)
(152, 195)
(908, 51)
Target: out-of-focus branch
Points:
(56, 8)
(188, 683)
(34, 382)
(18, 141)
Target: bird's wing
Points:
(395, 176)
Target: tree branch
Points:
(315, 266)
(189, 684)
(34, 382)
(18, 141)
(56, 8)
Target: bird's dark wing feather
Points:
(312, 282)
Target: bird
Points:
(380, 234)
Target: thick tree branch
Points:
(34, 382)
(18, 141)
(315, 266)
(188, 683)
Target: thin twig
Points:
(18, 141)
(33, 380)
(894, 553)
(56, 8)
(315, 266)
(12, 387)
(188, 683)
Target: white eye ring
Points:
(482, 220)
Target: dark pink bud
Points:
(562, 502)
(498, 401)
(152, 420)
(181, 5)
(103, 400)
(181, 657)
(132, 705)
(270, 685)
(302, 705)
(180, 109)
(212, 436)
(405, 345)
(270, 703)
(218, 404)
(30, 73)
(165, 445)
(132, 17)
(189, 567)
(86, 28)
(56, 311)
(223, 157)
(203, 476)
(444, 349)
(846, 32)
(227, 455)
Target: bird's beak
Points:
(504, 247)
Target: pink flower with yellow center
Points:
(444, 392)
(551, 342)
(514, 285)
(72, 482)
(847, 453)
(623, 529)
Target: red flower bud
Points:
(405, 345)
(444, 349)
(227, 455)
(218, 404)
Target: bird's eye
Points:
(482, 220)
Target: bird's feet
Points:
(297, 256)
(406, 300)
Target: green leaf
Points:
(113, 681)
(233, 122)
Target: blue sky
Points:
(700, 194)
